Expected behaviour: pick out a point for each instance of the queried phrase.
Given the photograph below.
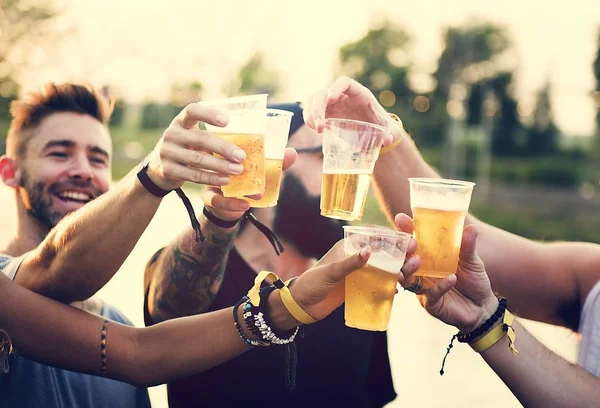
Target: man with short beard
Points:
(336, 365)
(73, 234)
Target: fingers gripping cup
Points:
(370, 290)
(246, 129)
(439, 210)
(276, 136)
(350, 149)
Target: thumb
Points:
(340, 269)
(404, 223)
(436, 292)
(468, 256)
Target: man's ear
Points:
(9, 170)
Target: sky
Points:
(142, 47)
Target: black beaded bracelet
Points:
(479, 331)
(236, 322)
(485, 326)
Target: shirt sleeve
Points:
(9, 265)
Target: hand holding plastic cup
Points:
(439, 208)
(276, 137)
(370, 290)
(246, 129)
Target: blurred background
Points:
(506, 95)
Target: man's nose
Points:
(81, 168)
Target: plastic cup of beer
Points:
(439, 210)
(350, 149)
(370, 290)
(246, 129)
(276, 137)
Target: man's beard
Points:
(298, 220)
(38, 198)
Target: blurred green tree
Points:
(596, 96)
(542, 136)
(469, 71)
(21, 24)
(254, 78)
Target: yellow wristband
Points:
(286, 296)
(496, 334)
(391, 147)
(293, 307)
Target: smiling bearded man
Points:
(57, 159)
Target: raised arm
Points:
(166, 351)
(537, 376)
(87, 247)
(544, 281)
(183, 278)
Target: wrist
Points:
(216, 219)
(279, 315)
(487, 309)
(157, 178)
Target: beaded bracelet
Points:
(478, 332)
(246, 339)
(485, 326)
(258, 322)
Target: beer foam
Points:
(384, 261)
(439, 203)
(347, 171)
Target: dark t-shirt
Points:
(337, 365)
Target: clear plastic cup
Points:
(439, 210)
(350, 150)
(246, 129)
(370, 290)
(276, 137)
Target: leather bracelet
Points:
(156, 191)
(148, 184)
(219, 222)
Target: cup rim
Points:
(233, 100)
(442, 182)
(383, 231)
(358, 122)
(280, 112)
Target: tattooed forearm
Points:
(187, 274)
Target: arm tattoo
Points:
(188, 274)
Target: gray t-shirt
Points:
(589, 328)
(29, 384)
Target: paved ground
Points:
(417, 342)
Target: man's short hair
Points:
(28, 113)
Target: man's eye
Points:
(99, 161)
(57, 154)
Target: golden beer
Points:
(369, 296)
(273, 170)
(343, 195)
(252, 179)
(439, 235)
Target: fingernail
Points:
(221, 119)
(223, 180)
(365, 251)
(244, 206)
(235, 168)
(239, 154)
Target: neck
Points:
(30, 232)
(258, 252)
